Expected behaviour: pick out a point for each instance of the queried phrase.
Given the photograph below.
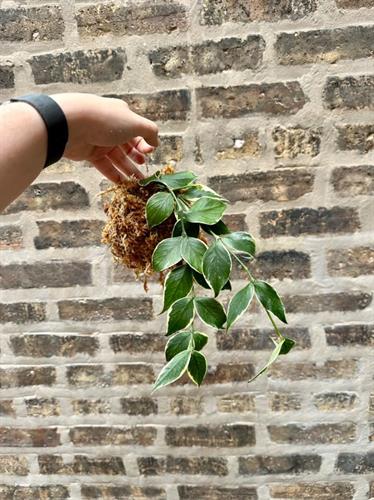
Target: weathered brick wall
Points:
(272, 103)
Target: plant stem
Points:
(276, 329)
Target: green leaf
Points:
(200, 340)
(197, 367)
(239, 304)
(178, 180)
(191, 229)
(181, 315)
(241, 242)
(270, 299)
(166, 254)
(287, 345)
(173, 370)
(159, 207)
(210, 311)
(199, 278)
(193, 251)
(178, 284)
(218, 228)
(217, 266)
(176, 344)
(150, 179)
(197, 191)
(282, 346)
(206, 211)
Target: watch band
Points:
(55, 121)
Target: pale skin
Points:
(103, 131)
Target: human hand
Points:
(107, 133)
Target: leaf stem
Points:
(276, 329)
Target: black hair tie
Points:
(55, 121)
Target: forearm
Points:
(23, 149)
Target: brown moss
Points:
(126, 232)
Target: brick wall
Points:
(272, 104)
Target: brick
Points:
(352, 334)
(286, 464)
(42, 407)
(68, 234)
(236, 403)
(97, 435)
(326, 433)
(269, 98)
(81, 464)
(355, 463)
(26, 492)
(50, 196)
(208, 492)
(156, 466)
(236, 222)
(280, 402)
(225, 435)
(353, 181)
(106, 309)
(21, 437)
(214, 13)
(246, 145)
(7, 408)
(331, 369)
(334, 401)
(297, 221)
(282, 264)
(241, 339)
(122, 274)
(45, 345)
(31, 24)
(169, 151)
(6, 77)
(90, 66)
(281, 185)
(224, 373)
(27, 376)
(114, 492)
(315, 490)
(290, 142)
(45, 274)
(90, 407)
(12, 464)
(344, 301)
(351, 262)
(139, 406)
(137, 342)
(354, 4)
(350, 92)
(330, 46)
(208, 57)
(132, 19)
(86, 376)
(133, 373)
(10, 236)
(22, 312)
(356, 137)
(160, 106)
(186, 405)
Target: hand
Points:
(107, 133)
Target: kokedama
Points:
(169, 223)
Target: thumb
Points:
(146, 129)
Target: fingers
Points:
(106, 167)
(146, 129)
(141, 145)
(133, 153)
(124, 164)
